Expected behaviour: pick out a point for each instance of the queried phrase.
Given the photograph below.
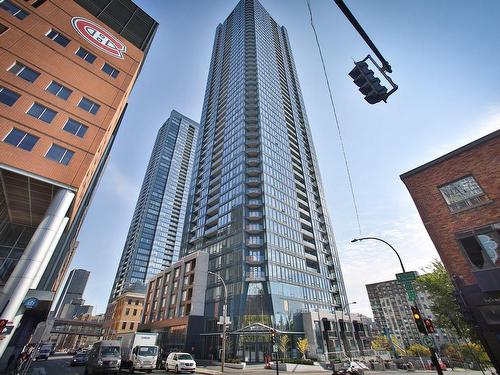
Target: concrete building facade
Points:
(458, 198)
(175, 304)
(73, 289)
(66, 72)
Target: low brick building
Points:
(458, 199)
(123, 314)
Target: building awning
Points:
(255, 329)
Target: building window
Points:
(58, 38)
(462, 194)
(109, 70)
(37, 3)
(58, 90)
(13, 9)
(135, 311)
(89, 106)
(86, 55)
(483, 248)
(24, 72)
(124, 325)
(42, 113)
(131, 325)
(21, 139)
(127, 311)
(8, 97)
(76, 128)
(129, 301)
(3, 28)
(59, 154)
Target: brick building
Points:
(66, 71)
(123, 314)
(458, 199)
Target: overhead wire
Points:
(337, 122)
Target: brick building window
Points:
(58, 90)
(483, 247)
(89, 106)
(86, 55)
(3, 28)
(59, 154)
(13, 9)
(21, 139)
(8, 97)
(58, 38)
(109, 70)
(75, 128)
(41, 112)
(24, 72)
(462, 194)
(124, 325)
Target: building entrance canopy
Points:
(255, 329)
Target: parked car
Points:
(180, 362)
(43, 352)
(104, 358)
(79, 359)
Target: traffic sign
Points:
(406, 276)
(31, 303)
(428, 341)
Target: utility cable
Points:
(336, 117)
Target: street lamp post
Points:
(387, 243)
(224, 317)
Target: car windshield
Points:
(185, 356)
(111, 351)
(148, 350)
(81, 355)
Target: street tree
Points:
(381, 343)
(418, 350)
(284, 343)
(303, 346)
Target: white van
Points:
(180, 362)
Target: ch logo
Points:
(99, 37)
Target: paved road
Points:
(59, 365)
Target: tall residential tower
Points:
(257, 203)
(155, 234)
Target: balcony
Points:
(252, 151)
(253, 171)
(212, 221)
(252, 215)
(254, 203)
(254, 259)
(213, 210)
(253, 162)
(255, 276)
(254, 244)
(211, 232)
(254, 228)
(253, 181)
(254, 192)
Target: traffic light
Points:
(3, 324)
(429, 326)
(273, 337)
(418, 320)
(368, 84)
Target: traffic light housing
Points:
(419, 321)
(429, 326)
(368, 84)
(273, 337)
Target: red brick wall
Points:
(483, 162)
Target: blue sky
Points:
(445, 57)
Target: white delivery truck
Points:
(139, 351)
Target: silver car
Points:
(104, 358)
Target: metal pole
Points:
(387, 243)
(224, 317)
(364, 35)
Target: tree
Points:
(474, 352)
(438, 285)
(381, 343)
(419, 350)
(303, 346)
(283, 344)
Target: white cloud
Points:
(119, 184)
(372, 261)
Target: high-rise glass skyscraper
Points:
(155, 234)
(257, 203)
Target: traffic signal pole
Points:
(385, 64)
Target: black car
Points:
(79, 359)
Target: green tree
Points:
(283, 344)
(437, 283)
(474, 352)
(303, 346)
(419, 350)
(381, 343)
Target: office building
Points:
(175, 305)
(123, 314)
(73, 289)
(155, 234)
(392, 314)
(66, 71)
(75, 308)
(257, 204)
(458, 198)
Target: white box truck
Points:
(139, 351)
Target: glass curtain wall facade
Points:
(256, 202)
(155, 234)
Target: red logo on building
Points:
(99, 37)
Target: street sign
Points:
(31, 303)
(428, 341)
(275, 348)
(406, 276)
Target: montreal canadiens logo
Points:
(99, 37)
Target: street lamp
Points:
(387, 243)
(224, 315)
